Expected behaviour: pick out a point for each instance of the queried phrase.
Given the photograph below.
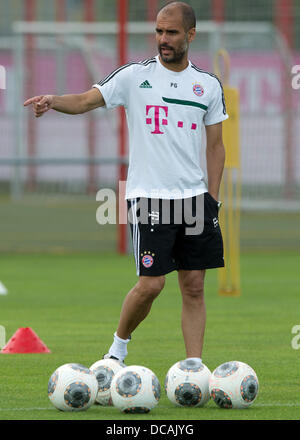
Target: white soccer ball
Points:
(135, 389)
(233, 384)
(105, 369)
(186, 383)
(72, 387)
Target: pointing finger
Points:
(32, 100)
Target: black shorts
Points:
(188, 237)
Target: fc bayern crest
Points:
(198, 89)
(147, 261)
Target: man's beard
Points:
(178, 54)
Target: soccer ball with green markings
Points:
(233, 384)
(72, 387)
(186, 383)
(135, 389)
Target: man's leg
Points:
(193, 322)
(136, 307)
(137, 304)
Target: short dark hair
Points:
(188, 14)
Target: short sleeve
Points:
(216, 111)
(114, 88)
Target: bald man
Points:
(168, 101)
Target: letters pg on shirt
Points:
(156, 115)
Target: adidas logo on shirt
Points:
(145, 85)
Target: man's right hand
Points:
(72, 104)
(41, 104)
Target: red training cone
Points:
(25, 340)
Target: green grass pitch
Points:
(73, 303)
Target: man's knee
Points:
(150, 287)
(193, 288)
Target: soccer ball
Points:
(135, 389)
(105, 369)
(72, 387)
(186, 383)
(233, 385)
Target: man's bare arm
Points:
(215, 158)
(71, 104)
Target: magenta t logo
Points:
(157, 112)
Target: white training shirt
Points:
(165, 115)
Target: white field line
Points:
(287, 404)
(255, 405)
(27, 409)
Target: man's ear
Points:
(191, 34)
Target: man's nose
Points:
(164, 38)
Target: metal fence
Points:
(56, 211)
